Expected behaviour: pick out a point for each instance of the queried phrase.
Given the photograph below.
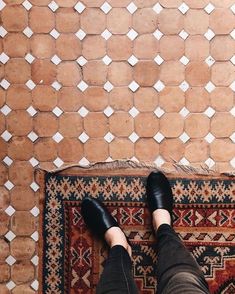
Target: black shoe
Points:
(97, 217)
(159, 193)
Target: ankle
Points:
(161, 216)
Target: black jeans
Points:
(177, 270)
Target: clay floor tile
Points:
(222, 150)
(45, 124)
(22, 248)
(4, 199)
(22, 47)
(70, 125)
(144, 20)
(69, 73)
(197, 73)
(22, 272)
(2, 72)
(171, 125)
(95, 73)
(96, 150)
(4, 223)
(222, 125)
(121, 124)
(119, 47)
(93, 47)
(2, 97)
(171, 99)
(196, 22)
(222, 99)
(42, 45)
(68, 47)
(18, 221)
(41, 19)
(120, 73)
(197, 47)
(225, 3)
(14, 18)
(113, 3)
(172, 149)
(19, 123)
(197, 125)
(21, 173)
(170, 21)
(44, 98)
(20, 148)
(197, 151)
(3, 148)
(146, 124)
(18, 97)
(223, 167)
(222, 16)
(22, 192)
(146, 46)
(67, 20)
(196, 3)
(3, 287)
(172, 73)
(171, 47)
(146, 99)
(4, 249)
(146, 149)
(95, 99)
(67, 3)
(197, 99)
(121, 148)
(70, 99)
(119, 21)
(2, 123)
(3, 174)
(98, 23)
(40, 2)
(222, 73)
(95, 3)
(45, 149)
(5, 272)
(170, 3)
(43, 72)
(13, 2)
(96, 124)
(26, 289)
(121, 99)
(12, 69)
(222, 48)
(146, 73)
(70, 150)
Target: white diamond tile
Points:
(55, 34)
(5, 110)
(157, 8)
(159, 112)
(34, 236)
(184, 112)
(35, 285)
(57, 111)
(4, 58)
(31, 111)
(108, 86)
(33, 161)
(210, 162)
(209, 35)
(133, 137)
(32, 136)
(134, 111)
(3, 32)
(29, 58)
(10, 236)
(30, 84)
(184, 137)
(131, 7)
(183, 34)
(35, 260)
(106, 7)
(109, 159)
(159, 86)
(210, 61)
(2, 4)
(10, 285)
(209, 138)
(83, 111)
(106, 60)
(232, 86)
(5, 84)
(183, 8)
(108, 111)
(58, 162)
(232, 137)
(209, 112)
(57, 137)
(132, 34)
(158, 59)
(233, 59)
(34, 186)
(134, 159)
(56, 85)
(9, 185)
(232, 162)
(84, 162)
(82, 86)
(10, 210)
(184, 86)
(106, 34)
(56, 60)
(79, 7)
(53, 6)
(133, 60)
(80, 34)
(27, 5)
(81, 60)
(184, 161)
(232, 111)
(6, 136)
(184, 60)
(232, 34)
(109, 137)
(158, 34)
(233, 8)
(28, 32)
(133, 86)
(159, 137)
(209, 8)
(210, 87)
(7, 160)
(83, 137)
(159, 161)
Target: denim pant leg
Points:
(177, 270)
(117, 277)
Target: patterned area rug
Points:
(72, 261)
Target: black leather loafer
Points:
(97, 217)
(159, 193)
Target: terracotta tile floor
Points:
(94, 81)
